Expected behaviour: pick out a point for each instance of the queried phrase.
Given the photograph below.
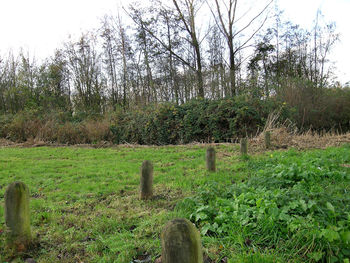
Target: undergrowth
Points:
(294, 204)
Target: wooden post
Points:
(210, 159)
(244, 146)
(17, 216)
(146, 180)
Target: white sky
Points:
(40, 26)
(303, 12)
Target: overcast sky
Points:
(40, 26)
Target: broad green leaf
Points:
(330, 207)
(345, 236)
(303, 204)
(330, 234)
(317, 255)
(205, 229)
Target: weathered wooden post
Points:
(210, 159)
(146, 180)
(267, 139)
(181, 242)
(244, 146)
(17, 215)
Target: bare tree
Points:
(187, 15)
(85, 70)
(125, 54)
(216, 62)
(186, 12)
(325, 37)
(170, 21)
(110, 51)
(226, 25)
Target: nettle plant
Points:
(296, 202)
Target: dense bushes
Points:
(197, 120)
(53, 127)
(317, 108)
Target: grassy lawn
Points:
(85, 203)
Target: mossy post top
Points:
(147, 164)
(181, 242)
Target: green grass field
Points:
(85, 203)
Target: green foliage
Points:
(197, 120)
(297, 202)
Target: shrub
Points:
(23, 126)
(317, 108)
(197, 120)
(70, 133)
(96, 130)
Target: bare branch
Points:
(164, 45)
(251, 21)
(250, 38)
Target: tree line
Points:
(168, 54)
